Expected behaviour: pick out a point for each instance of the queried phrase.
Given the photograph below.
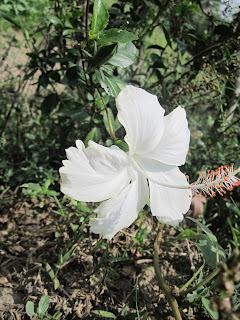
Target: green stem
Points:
(87, 13)
(108, 116)
(191, 280)
(202, 283)
(161, 282)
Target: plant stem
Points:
(191, 280)
(87, 13)
(108, 116)
(161, 282)
(202, 283)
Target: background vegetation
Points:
(61, 68)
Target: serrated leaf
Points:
(212, 252)
(30, 308)
(117, 35)
(94, 135)
(111, 84)
(100, 17)
(105, 314)
(43, 304)
(124, 56)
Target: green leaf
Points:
(207, 306)
(100, 17)
(167, 36)
(74, 76)
(49, 103)
(30, 308)
(51, 273)
(43, 304)
(6, 17)
(205, 229)
(187, 234)
(56, 21)
(94, 135)
(68, 255)
(212, 252)
(124, 56)
(103, 55)
(122, 145)
(111, 84)
(117, 35)
(105, 314)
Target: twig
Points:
(161, 282)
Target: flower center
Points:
(216, 181)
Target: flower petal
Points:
(173, 146)
(121, 211)
(142, 117)
(167, 203)
(94, 174)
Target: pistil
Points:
(208, 184)
(216, 181)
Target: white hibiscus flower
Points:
(125, 181)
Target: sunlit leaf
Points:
(125, 55)
(43, 304)
(100, 17)
(212, 252)
(111, 84)
(105, 314)
(30, 308)
(117, 35)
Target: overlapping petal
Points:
(142, 117)
(169, 204)
(94, 174)
(173, 146)
(121, 211)
(170, 197)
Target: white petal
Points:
(121, 211)
(169, 203)
(142, 117)
(94, 174)
(173, 146)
